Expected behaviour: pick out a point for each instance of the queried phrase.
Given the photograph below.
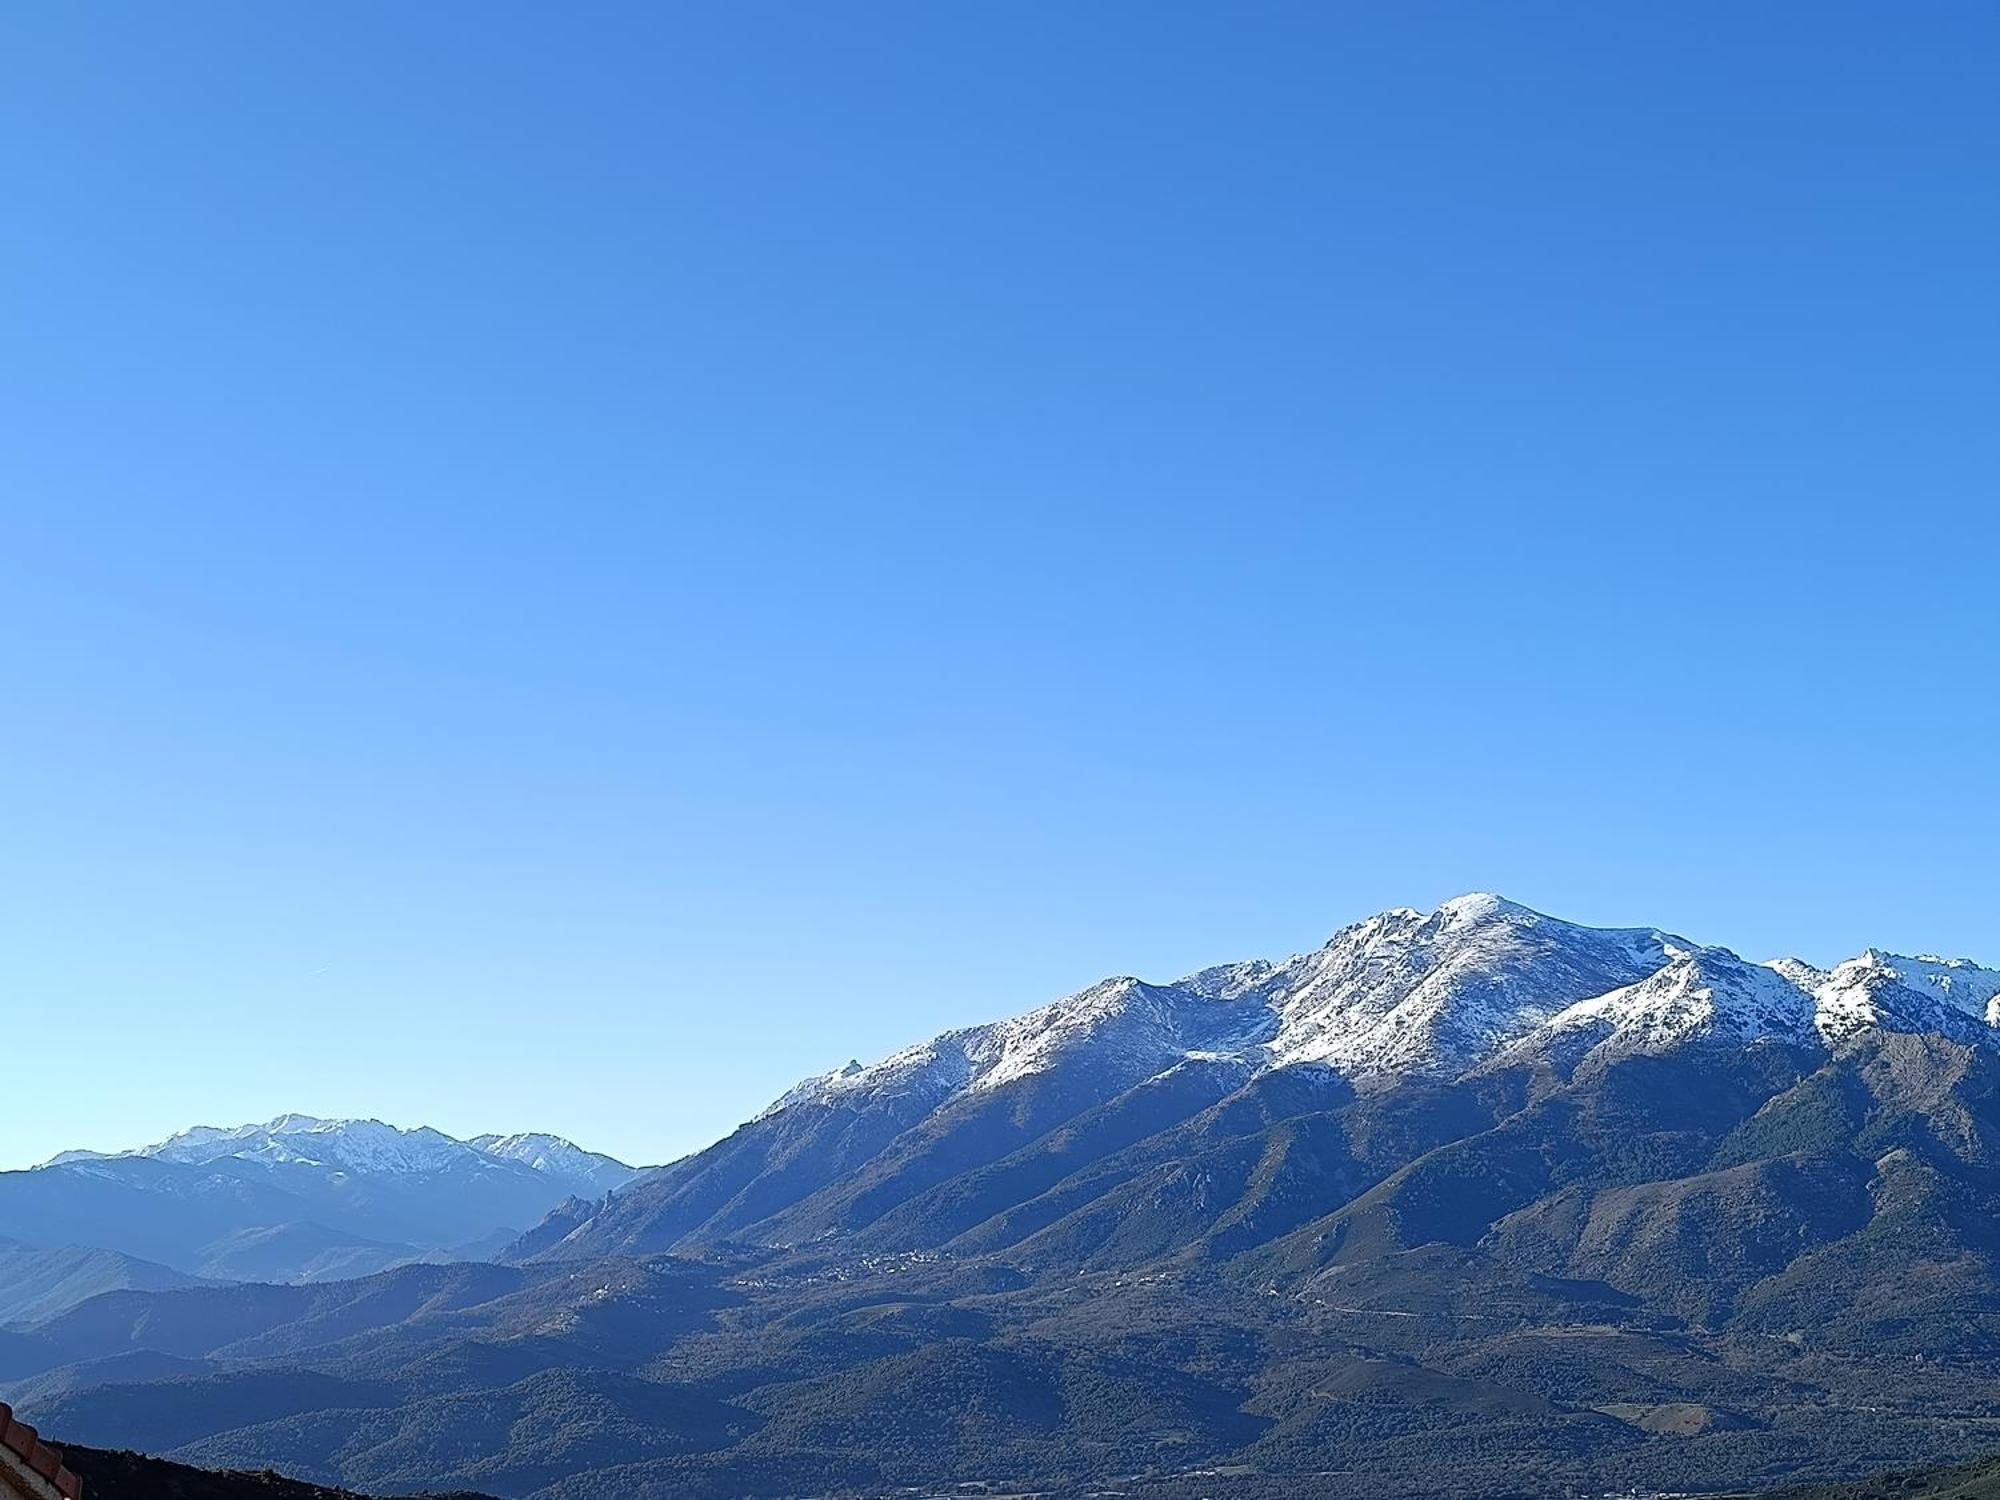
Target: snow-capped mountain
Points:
(1441, 993)
(592, 1173)
(1475, 989)
(373, 1148)
(1698, 993)
(1406, 991)
(1131, 1029)
(1895, 993)
(1398, 992)
(301, 1198)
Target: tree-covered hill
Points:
(121, 1475)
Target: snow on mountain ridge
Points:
(557, 1156)
(368, 1147)
(1133, 1029)
(1403, 992)
(1394, 992)
(1880, 989)
(1701, 992)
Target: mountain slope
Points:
(1979, 1480)
(1481, 989)
(133, 1476)
(38, 1283)
(1398, 995)
(1471, 1202)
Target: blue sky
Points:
(564, 567)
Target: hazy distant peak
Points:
(369, 1147)
(559, 1156)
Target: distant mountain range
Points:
(297, 1199)
(1468, 1201)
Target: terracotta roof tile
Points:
(26, 1444)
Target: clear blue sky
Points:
(565, 566)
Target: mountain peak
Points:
(558, 1156)
(292, 1122)
(1473, 909)
(1699, 993)
(1401, 992)
(1481, 906)
(1877, 988)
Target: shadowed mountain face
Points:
(37, 1283)
(1472, 1201)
